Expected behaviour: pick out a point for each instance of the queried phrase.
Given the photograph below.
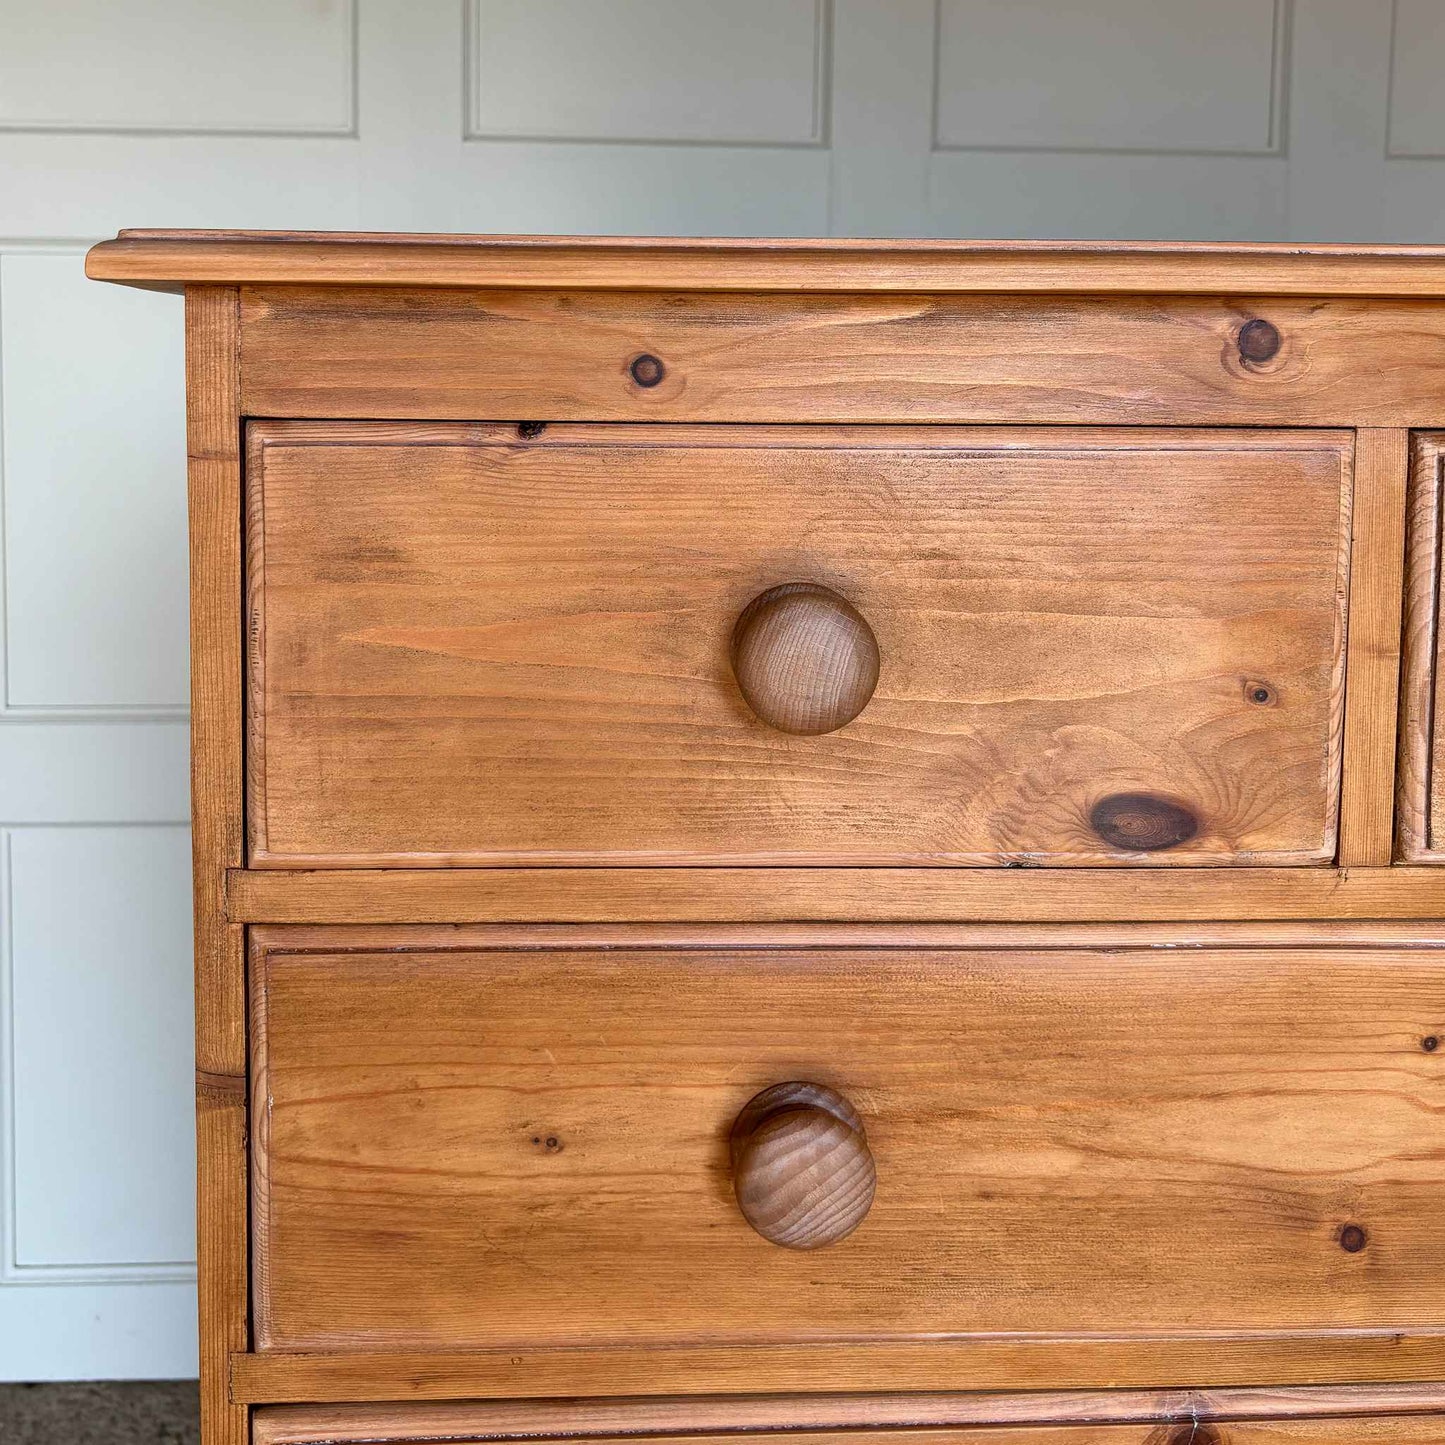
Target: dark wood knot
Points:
(1261, 694)
(1142, 822)
(1353, 1239)
(527, 430)
(1259, 341)
(647, 370)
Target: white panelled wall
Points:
(1236, 119)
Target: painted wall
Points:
(1320, 119)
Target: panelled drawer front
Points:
(493, 644)
(1420, 810)
(461, 1146)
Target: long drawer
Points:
(485, 644)
(542, 1143)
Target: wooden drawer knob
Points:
(804, 658)
(802, 1169)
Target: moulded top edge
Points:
(172, 260)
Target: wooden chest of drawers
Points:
(815, 837)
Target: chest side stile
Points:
(217, 806)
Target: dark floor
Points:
(163, 1412)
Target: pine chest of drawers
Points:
(815, 837)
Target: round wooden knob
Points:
(804, 658)
(801, 1166)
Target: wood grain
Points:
(881, 895)
(543, 937)
(566, 356)
(1039, 1362)
(1436, 794)
(532, 667)
(500, 1420)
(213, 438)
(1411, 1430)
(463, 1148)
(1377, 559)
(1418, 778)
(167, 260)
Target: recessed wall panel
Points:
(1145, 75)
(1417, 101)
(748, 72)
(94, 457)
(177, 65)
(100, 988)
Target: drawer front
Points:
(463, 1145)
(1420, 810)
(489, 644)
(569, 356)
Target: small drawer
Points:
(487, 644)
(997, 1161)
(1420, 800)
